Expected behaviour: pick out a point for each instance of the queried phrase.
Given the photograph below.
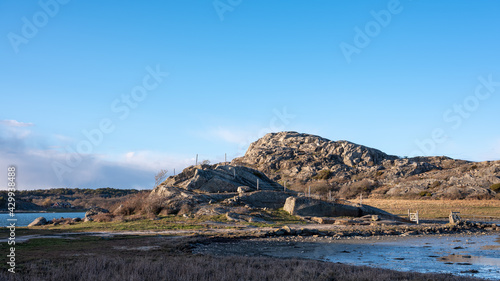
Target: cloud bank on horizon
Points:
(95, 98)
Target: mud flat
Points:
(457, 254)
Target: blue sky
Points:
(155, 83)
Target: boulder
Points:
(304, 206)
(243, 189)
(323, 220)
(38, 221)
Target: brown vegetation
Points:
(439, 208)
(170, 259)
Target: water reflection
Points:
(461, 255)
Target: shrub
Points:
(103, 217)
(425, 193)
(152, 206)
(257, 174)
(322, 189)
(185, 209)
(435, 184)
(130, 206)
(323, 175)
(140, 203)
(495, 187)
(360, 187)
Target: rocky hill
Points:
(214, 189)
(217, 179)
(348, 169)
(236, 191)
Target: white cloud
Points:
(15, 123)
(42, 165)
(153, 161)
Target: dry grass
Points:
(439, 208)
(92, 258)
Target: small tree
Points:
(160, 177)
(205, 162)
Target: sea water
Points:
(23, 219)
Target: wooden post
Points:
(330, 195)
(284, 187)
(234, 173)
(196, 159)
(257, 184)
(361, 199)
(413, 216)
(309, 191)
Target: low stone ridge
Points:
(304, 206)
(349, 169)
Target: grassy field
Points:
(274, 218)
(433, 209)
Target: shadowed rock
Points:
(265, 199)
(304, 206)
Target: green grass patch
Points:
(170, 222)
(495, 187)
(282, 217)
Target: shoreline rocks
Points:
(461, 228)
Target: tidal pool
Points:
(477, 256)
(468, 255)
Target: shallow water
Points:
(23, 219)
(477, 256)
